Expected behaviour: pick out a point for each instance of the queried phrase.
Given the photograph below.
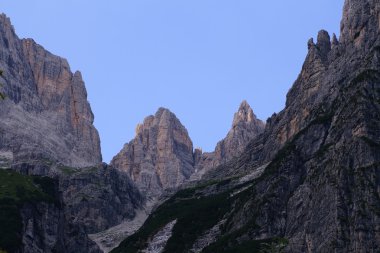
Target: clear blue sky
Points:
(199, 58)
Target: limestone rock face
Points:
(46, 113)
(160, 156)
(245, 127)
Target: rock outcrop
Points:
(245, 127)
(33, 219)
(98, 198)
(45, 229)
(160, 156)
(46, 114)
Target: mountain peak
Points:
(244, 114)
(245, 128)
(165, 115)
(160, 156)
(323, 42)
(6, 22)
(163, 110)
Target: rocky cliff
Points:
(46, 114)
(45, 229)
(98, 198)
(311, 181)
(160, 156)
(33, 219)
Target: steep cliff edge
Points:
(46, 113)
(311, 181)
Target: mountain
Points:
(54, 189)
(307, 181)
(245, 127)
(161, 156)
(310, 182)
(46, 114)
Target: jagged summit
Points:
(245, 127)
(160, 156)
(244, 114)
(324, 42)
(162, 116)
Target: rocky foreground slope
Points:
(311, 181)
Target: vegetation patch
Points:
(272, 245)
(370, 142)
(366, 75)
(16, 190)
(322, 150)
(91, 169)
(193, 215)
(282, 154)
(67, 170)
